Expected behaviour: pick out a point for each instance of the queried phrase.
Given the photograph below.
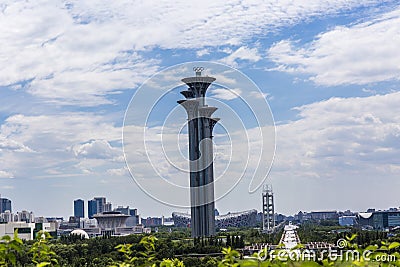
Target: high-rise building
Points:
(92, 208)
(98, 205)
(5, 204)
(107, 207)
(79, 208)
(101, 203)
(200, 127)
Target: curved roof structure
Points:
(235, 219)
(365, 215)
(111, 220)
(80, 232)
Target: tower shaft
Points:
(200, 127)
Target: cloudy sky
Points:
(329, 70)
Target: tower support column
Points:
(200, 127)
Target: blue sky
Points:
(329, 69)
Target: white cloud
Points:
(160, 167)
(81, 52)
(6, 174)
(226, 94)
(76, 53)
(352, 137)
(59, 143)
(118, 172)
(202, 52)
(12, 145)
(359, 54)
(242, 53)
(95, 149)
(342, 153)
(261, 95)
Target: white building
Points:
(24, 216)
(7, 216)
(25, 230)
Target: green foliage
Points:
(171, 263)
(42, 254)
(178, 250)
(146, 257)
(230, 258)
(9, 249)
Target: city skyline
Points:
(123, 207)
(328, 69)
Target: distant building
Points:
(133, 218)
(347, 220)
(7, 216)
(110, 220)
(92, 208)
(236, 219)
(73, 223)
(299, 217)
(100, 204)
(379, 219)
(5, 204)
(107, 207)
(122, 209)
(93, 231)
(316, 216)
(168, 221)
(24, 216)
(88, 223)
(79, 208)
(279, 218)
(324, 215)
(153, 221)
(347, 213)
(181, 219)
(26, 230)
(140, 229)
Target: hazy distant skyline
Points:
(329, 71)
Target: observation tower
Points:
(200, 127)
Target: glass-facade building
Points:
(79, 208)
(92, 208)
(5, 204)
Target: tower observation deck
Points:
(200, 127)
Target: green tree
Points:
(42, 254)
(10, 248)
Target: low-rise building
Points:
(347, 220)
(26, 231)
(379, 219)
